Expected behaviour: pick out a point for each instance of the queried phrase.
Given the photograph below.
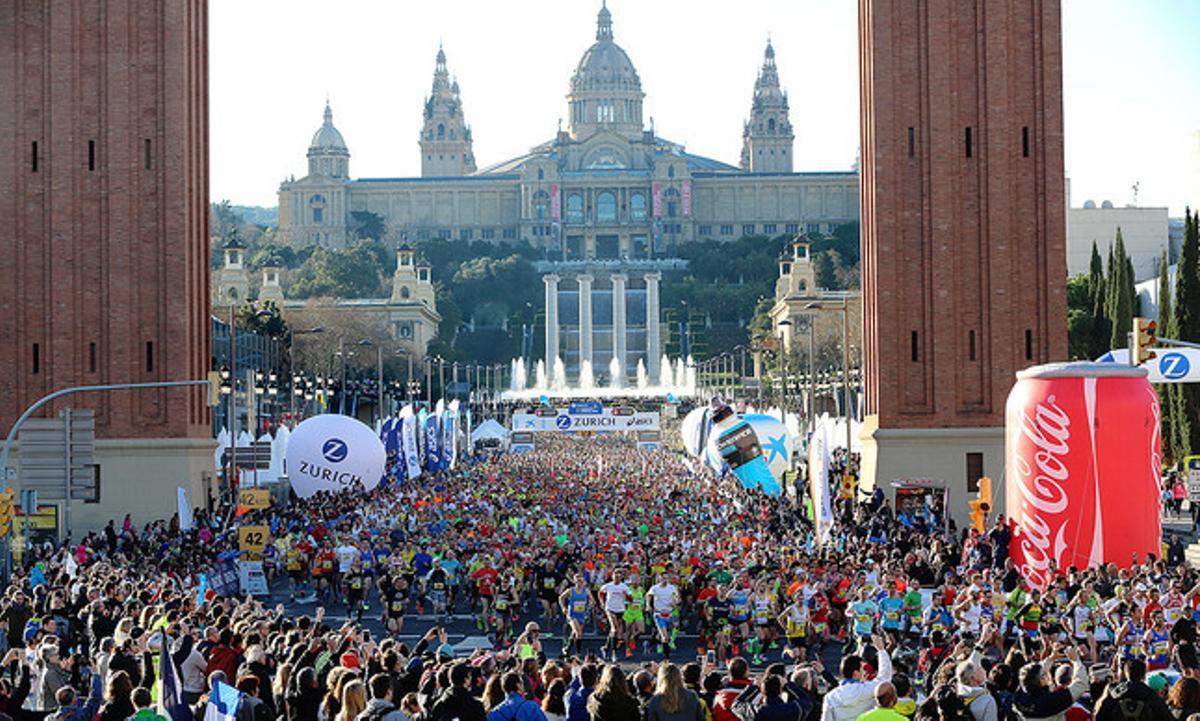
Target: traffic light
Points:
(214, 389)
(6, 512)
(982, 505)
(1145, 335)
(847, 486)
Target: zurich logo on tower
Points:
(563, 422)
(334, 450)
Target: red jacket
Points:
(224, 658)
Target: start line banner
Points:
(566, 422)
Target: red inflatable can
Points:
(1083, 463)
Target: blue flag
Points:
(203, 589)
(170, 693)
(223, 703)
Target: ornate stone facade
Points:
(605, 187)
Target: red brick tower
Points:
(105, 253)
(964, 261)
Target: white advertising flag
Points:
(818, 481)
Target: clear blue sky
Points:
(1131, 82)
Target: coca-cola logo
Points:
(1041, 489)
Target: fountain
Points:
(560, 375)
(587, 379)
(518, 380)
(615, 374)
(665, 378)
(674, 378)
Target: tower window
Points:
(969, 143)
(974, 471)
(441, 131)
(1025, 142)
(541, 174)
(91, 155)
(92, 357)
(149, 356)
(916, 355)
(1028, 344)
(971, 345)
(147, 153)
(771, 125)
(37, 358)
(34, 158)
(912, 143)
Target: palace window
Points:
(791, 228)
(541, 205)
(671, 196)
(575, 208)
(748, 229)
(705, 230)
(441, 131)
(465, 233)
(510, 233)
(727, 230)
(812, 228)
(488, 233)
(606, 207)
(637, 207)
(769, 229)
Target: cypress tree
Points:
(1120, 283)
(1100, 325)
(1186, 305)
(1095, 273)
(1166, 391)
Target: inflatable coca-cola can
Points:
(1083, 463)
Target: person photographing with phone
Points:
(855, 695)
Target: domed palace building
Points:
(605, 187)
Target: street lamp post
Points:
(782, 326)
(844, 308)
(292, 358)
(812, 374)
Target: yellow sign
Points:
(46, 518)
(253, 539)
(255, 499)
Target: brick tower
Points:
(963, 230)
(105, 254)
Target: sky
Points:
(1131, 72)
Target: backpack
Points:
(1130, 709)
(731, 704)
(747, 704)
(950, 705)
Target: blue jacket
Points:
(517, 708)
(577, 699)
(82, 710)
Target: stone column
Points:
(653, 337)
(618, 311)
(551, 281)
(585, 319)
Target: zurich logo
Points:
(563, 422)
(1174, 366)
(334, 450)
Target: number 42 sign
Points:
(252, 540)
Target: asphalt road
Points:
(465, 635)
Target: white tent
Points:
(222, 444)
(489, 429)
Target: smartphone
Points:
(710, 658)
(366, 636)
